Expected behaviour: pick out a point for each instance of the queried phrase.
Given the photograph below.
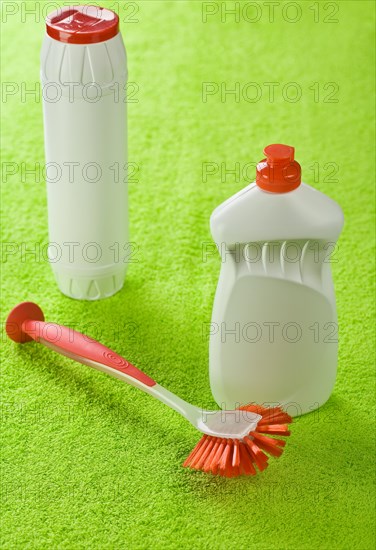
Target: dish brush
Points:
(235, 442)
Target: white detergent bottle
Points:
(84, 74)
(274, 334)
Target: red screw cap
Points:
(278, 172)
(82, 24)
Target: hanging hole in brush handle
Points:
(81, 348)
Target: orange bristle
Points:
(209, 461)
(257, 455)
(236, 454)
(268, 444)
(274, 429)
(246, 464)
(234, 457)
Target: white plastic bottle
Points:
(83, 74)
(273, 336)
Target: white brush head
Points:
(234, 424)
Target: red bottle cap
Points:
(278, 172)
(82, 24)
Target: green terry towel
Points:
(88, 462)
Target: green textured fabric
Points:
(89, 462)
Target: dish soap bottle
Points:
(273, 335)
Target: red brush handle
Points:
(72, 343)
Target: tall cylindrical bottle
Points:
(83, 74)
